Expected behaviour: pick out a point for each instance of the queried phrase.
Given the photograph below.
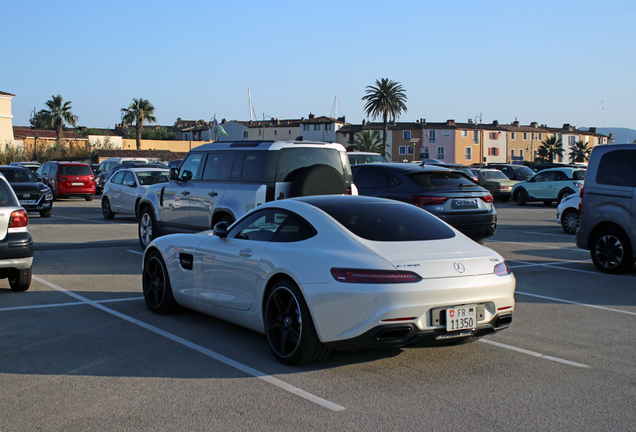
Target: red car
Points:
(68, 179)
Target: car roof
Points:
(265, 145)
(566, 169)
(406, 167)
(138, 169)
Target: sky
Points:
(551, 62)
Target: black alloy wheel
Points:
(156, 285)
(290, 330)
(612, 251)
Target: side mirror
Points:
(174, 173)
(220, 229)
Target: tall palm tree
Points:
(580, 152)
(551, 147)
(386, 98)
(368, 141)
(138, 112)
(58, 113)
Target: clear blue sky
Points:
(552, 62)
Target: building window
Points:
(469, 153)
(475, 137)
(328, 127)
(521, 153)
(493, 135)
(571, 140)
(464, 134)
(532, 136)
(445, 133)
(493, 151)
(316, 127)
(440, 153)
(540, 137)
(290, 132)
(525, 136)
(431, 136)
(259, 132)
(512, 153)
(409, 150)
(244, 134)
(513, 135)
(275, 132)
(402, 150)
(406, 135)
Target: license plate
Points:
(77, 184)
(461, 318)
(465, 202)
(27, 202)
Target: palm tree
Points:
(550, 148)
(139, 111)
(386, 98)
(580, 152)
(58, 113)
(368, 141)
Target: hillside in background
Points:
(621, 135)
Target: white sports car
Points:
(335, 272)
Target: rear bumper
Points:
(16, 251)
(475, 226)
(409, 335)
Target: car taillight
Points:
(502, 269)
(578, 185)
(374, 276)
(269, 194)
(420, 201)
(487, 198)
(581, 202)
(18, 219)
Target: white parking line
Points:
(44, 306)
(534, 354)
(135, 252)
(246, 369)
(538, 245)
(557, 264)
(94, 220)
(552, 264)
(576, 303)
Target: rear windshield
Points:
(75, 170)
(494, 175)
(151, 177)
(451, 180)
(292, 160)
(579, 175)
(389, 222)
(6, 196)
(356, 159)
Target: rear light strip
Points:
(420, 201)
(374, 276)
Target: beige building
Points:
(6, 119)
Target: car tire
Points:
(547, 203)
(106, 210)
(612, 251)
(46, 213)
(148, 230)
(20, 279)
(563, 194)
(570, 221)
(88, 197)
(289, 328)
(156, 285)
(318, 180)
(521, 197)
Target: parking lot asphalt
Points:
(80, 350)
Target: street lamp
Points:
(35, 134)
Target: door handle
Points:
(185, 193)
(246, 253)
(213, 194)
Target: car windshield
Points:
(388, 222)
(442, 180)
(151, 177)
(292, 160)
(494, 175)
(524, 172)
(579, 175)
(75, 170)
(19, 175)
(356, 159)
(7, 199)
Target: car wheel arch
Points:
(270, 284)
(220, 215)
(600, 227)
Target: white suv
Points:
(220, 182)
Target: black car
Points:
(33, 195)
(513, 171)
(448, 194)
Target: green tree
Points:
(57, 114)
(138, 112)
(550, 148)
(369, 141)
(580, 152)
(39, 121)
(386, 99)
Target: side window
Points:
(616, 168)
(373, 178)
(129, 179)
(118, 178)
(248, 166)
(560, 176)
(392, 179)
(293, 229)
(218, 166)
(545, 176)
(190, 166)
(259, 226)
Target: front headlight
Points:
(47, 194)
